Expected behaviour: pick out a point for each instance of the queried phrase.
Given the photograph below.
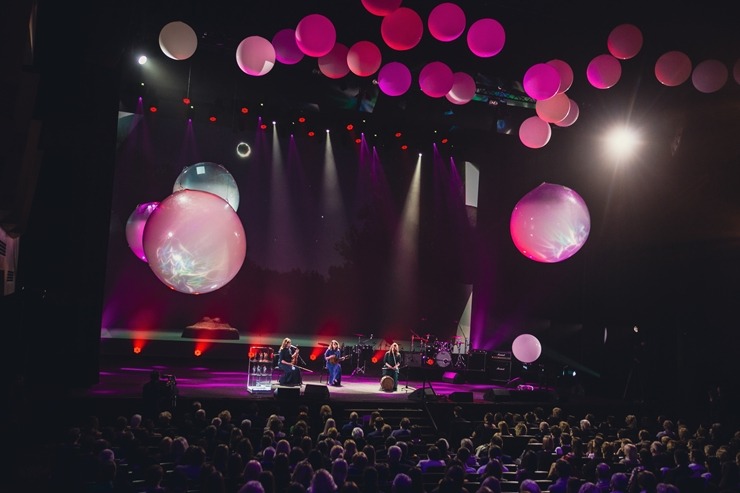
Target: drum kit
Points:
(439, 351)
(361, 352)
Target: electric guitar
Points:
(334, 360)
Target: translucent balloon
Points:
(135, 227)
(603, 71)
(394, 79)
(673, 68)
(446, 22)
(463, 88)
(195, 242)
(566, 74)
(209, 177)
(178, 41)
(436, 79)
(286, 48)
(625, 41)
(550, 223)
(534, 132)
(364, 58)
(255, 55)
(381, 7)
(709, 76)
(486, 37)
(541, 81)
(402, 29)
(334, 64)
(526, 348)
(555, 109)
(315, 35)
(573, 113)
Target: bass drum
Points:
(443, 359)
(386, 383)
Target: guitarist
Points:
(288, 356)
(333, 358)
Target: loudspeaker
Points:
(452, 377)
(499, 370)
(477, 360)
(422, 394)
(497, 395)
(316, 392)
(285, 393)
(461, 397)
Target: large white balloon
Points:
(209, 177)
(178, 41)
(526, 348)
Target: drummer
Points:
(392, 364)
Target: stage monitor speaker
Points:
(425, 393)
(461, 397)
(285, 393)
(452, 377)
(316, 392)
(497, 395)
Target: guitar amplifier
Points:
(501, 355)
(477, 360)
(499, 366)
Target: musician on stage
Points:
(288, 358)
(333, 357)
(392, 364)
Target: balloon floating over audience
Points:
(135, 227)
(178, 41)
(624, 41)
(402, 29)
(673, 68)
(446, 22)
(315, 35)
(526, 348)
(194, 242)
(209, 177)
(286, 48)
(255, 55)
(550, 223)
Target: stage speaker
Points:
(316, 392)
(497, 395)
(499, 370)
(461, 397)
(285, 393)
(452, 377)
(426, 393)
(477, 360)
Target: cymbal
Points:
(359, 335)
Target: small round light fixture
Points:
(243, 150)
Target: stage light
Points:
(137, 349)
(358, 140)
(263, 126)
(212, 119)
(374, 360)
(197, 352)
(142, 59)
(398, 135)
(327, 130)
(153, 108)
(404, 147)
(186, 100)
(244, 110)
(430, 361)
(445, 140)
(350, 127)
(311, 133)
(312, 357)
(243, 150)
(302, 119)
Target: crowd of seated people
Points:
(317, 452)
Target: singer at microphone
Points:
(288, 355)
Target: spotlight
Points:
(197, 352)
(302, 119)
(137, 349)
(142, 59)
(311, 133)
(186, 100)
(404, 147)
(445, 140)
(350, 127)
(263, 126)
(244, 110)
(243, 150)
(374, 360)
(213, 118)
(398, 135)
(358, 140)
(312, 357)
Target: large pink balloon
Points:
(603, 71)
(709, 76)
(135, 227)
(394, 79)
(541, 81)
(381, 7)
(364, 58)
(566, 73)
(625, 41)
(550, 223)
(255, 55)
(673, 68)
(436, 79)
(195, 242)
(402, 29)
(315, 35)
(573, 113)
(286, 48)
(534, 132)
(526, 348)
(178, 41)
(486, 37)
(555, 109)
(446, 22)
(334, 64)
(463, 88)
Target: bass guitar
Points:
(334, 360)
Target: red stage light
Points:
(137, 350)
(350, 127)
(244, 110)
(152, 109)
(374, 359)
(263, 126)
(212, 118)
(430, 361)
(311, 133)
(302, 119)
(312, 357)
(358, 140)
(398, 134)
(185, 100)
(404, 147)
(444, 141)
(197, 352)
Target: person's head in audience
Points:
(588, 487)
(394, 454)
(434, 453)
(463, 455)
(667, 488)
(322, 482)
(252, 486)
(386, 430)
(349, 487)
(401, 484)
(494, 468)
(492, 483)
(296, 455)
(647, 481)
(339, 471)
(529, 486)
(302, 473)
(619, 482)
(358, 434)
(336, 452)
